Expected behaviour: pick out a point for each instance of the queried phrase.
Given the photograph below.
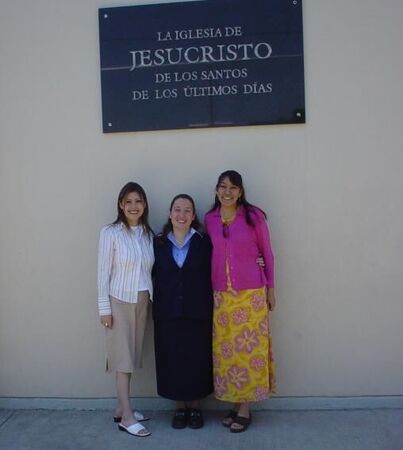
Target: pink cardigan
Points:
(245, 244)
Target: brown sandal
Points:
(229, 418)
(242, 424)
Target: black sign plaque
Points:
(209, 63)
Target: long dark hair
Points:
(167, 228)
(236, 179)
(127, 189)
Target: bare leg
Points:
(244, 409)
(118, 408)
(195, 404)
(123, 392)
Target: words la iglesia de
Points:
(199, 33)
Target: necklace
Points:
(228, 219)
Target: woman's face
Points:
(227, 193)
(133, 208)
(182, 214)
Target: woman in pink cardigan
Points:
(244, 369)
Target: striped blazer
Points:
(121, 255)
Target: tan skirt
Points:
(124, 341)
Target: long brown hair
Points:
(236, 179)
(127, 189)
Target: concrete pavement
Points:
(378, 429)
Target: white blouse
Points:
(125, 261)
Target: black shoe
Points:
(229, 418)
(195, 418)
(180, 418)
(240, 424)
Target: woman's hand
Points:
(106, 321)
(260, 262)
(271, 299)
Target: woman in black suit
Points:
(182, 312)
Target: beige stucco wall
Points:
(333, 189)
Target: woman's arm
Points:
(264, 243)
(265, 249)
(271, 299)
(105, 260)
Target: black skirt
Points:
(183, 356)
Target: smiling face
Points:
(182, 214)
(228, 194)
(133, 207)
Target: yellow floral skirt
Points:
(243, 362)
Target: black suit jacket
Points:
(183, 292)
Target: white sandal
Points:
(140, 417)
(135, 429)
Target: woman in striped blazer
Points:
(125, 261)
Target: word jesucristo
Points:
(199, 54)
